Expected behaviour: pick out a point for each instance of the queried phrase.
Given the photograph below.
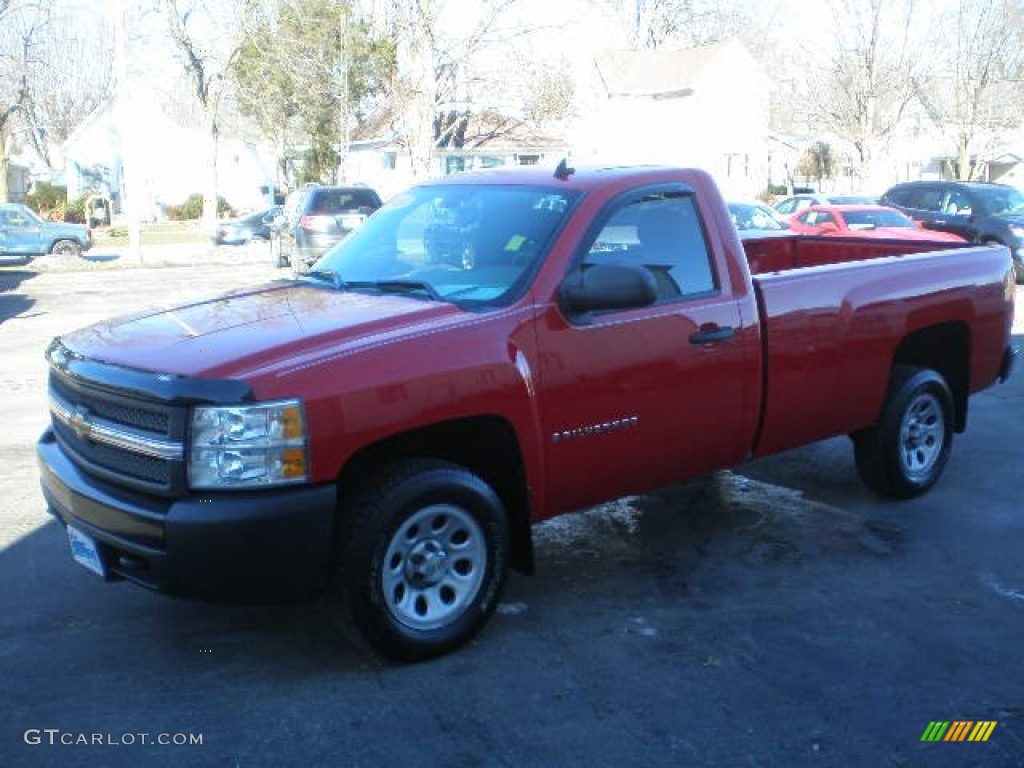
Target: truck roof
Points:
(581, 177)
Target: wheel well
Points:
(485, 445)
(944, 348)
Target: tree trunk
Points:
(5, 192)
(416, 57)
(210, 191)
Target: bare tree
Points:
(985, 75)
(441, 75)
(681, 23)
(551, 93)
(208, 37)
(22, 26)
(870, 80)
(75, 79)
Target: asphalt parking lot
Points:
(776, 615)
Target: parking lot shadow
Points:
(12, 302)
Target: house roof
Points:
(660, 72)
(491, 130)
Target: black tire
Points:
(904, 454)
(422, 559)
(66, 248)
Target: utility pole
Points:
(343, 153)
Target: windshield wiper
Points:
(403, 285)
(327, 274)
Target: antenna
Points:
(563, 171)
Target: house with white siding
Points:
(705, 107)
(129, 140)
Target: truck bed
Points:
(779, 254)
(836, 313)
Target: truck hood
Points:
(235, 333)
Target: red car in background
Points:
(875, 221)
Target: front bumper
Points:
(272, 545)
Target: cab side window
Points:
(662, 234)
(957, 204)
(817, 218)
(925, 199)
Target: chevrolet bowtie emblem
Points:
(79, 421)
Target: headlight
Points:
(248, 446)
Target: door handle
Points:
(711, 333)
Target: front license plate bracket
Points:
(86, 552)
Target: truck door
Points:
(636, 398)
(21, 233)
(956, 216)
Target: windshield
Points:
(999, 199)
(876, 218)
(470, 244)
(750, 216)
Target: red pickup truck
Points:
(486, 352)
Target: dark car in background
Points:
(245, 229)
(979, 212)
(318, 216)
(24, 234)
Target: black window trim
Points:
(629, 197)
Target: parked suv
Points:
(316, 217)
(24, 234)
(979, 212)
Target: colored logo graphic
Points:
(959, 730)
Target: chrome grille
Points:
(134, 465)
(120, 438)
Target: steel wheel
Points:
(422, 556)
(434, 567)
(905, 452)
(922, 436)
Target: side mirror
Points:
(827, 226)
(607, 286)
